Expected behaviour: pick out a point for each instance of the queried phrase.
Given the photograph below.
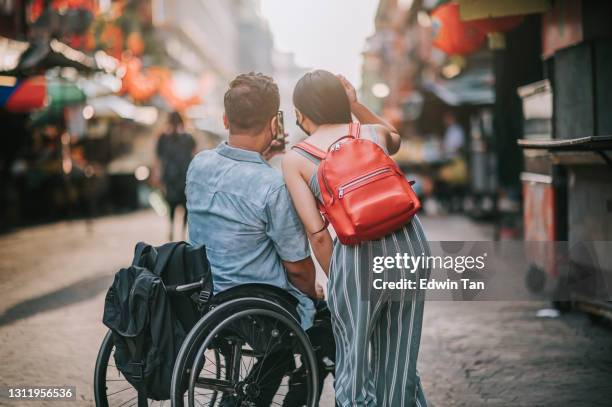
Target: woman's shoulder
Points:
(291, 160)
(297, 165)
(375, 132)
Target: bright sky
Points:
(325, 34)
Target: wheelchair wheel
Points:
(112, 389)
(264, 353)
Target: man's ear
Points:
(225, 122)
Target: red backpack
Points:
(365, 195)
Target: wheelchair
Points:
(247, 349)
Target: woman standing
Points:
(377, 338)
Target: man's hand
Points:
(275, 148)
(351, 93)
(320, 291)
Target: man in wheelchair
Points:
(240, 209)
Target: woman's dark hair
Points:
(320, 96)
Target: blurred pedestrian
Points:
(454, 136)
(175, 148)
(453, 176)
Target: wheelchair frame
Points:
(204, 337)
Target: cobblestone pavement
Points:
(53, 279)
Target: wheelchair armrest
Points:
(184, 288)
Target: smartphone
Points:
(280, 132)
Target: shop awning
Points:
(42, 55)
(116, 106)
(20, 96)
(99, 84)
(60, 94)
(472, 87)
(477, 9)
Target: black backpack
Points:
(148, 324)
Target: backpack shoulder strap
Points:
(310, 149)
(355, 129)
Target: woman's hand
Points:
(275, 148)
(349, 89)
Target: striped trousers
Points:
(377, 337)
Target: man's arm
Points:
(287, 233)
(302, 275)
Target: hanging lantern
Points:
(112, 40)
(137, 83)
(135, 43)
(453, 36)
(168, 90)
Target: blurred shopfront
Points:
(529, 82)
(85, 89)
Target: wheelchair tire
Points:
(236, 388)
(110, 387)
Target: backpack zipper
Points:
(342, 189)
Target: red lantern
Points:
(37, 7)
(138, 84)
(453, 36)
(112, 40)
(135, 43)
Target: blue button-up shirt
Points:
(240, 209)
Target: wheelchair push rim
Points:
(242, 382)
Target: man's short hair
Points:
(250, 102)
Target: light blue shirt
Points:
(240, 209)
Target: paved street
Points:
(53, 279)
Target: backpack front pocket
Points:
(375, 198)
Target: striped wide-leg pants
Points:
(377, 336)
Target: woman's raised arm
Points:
(388, 134)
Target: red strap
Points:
(355, 129)
(310, 149)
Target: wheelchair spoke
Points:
(122, 390)
(125, 402)
(246, 356)
(266, 352)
